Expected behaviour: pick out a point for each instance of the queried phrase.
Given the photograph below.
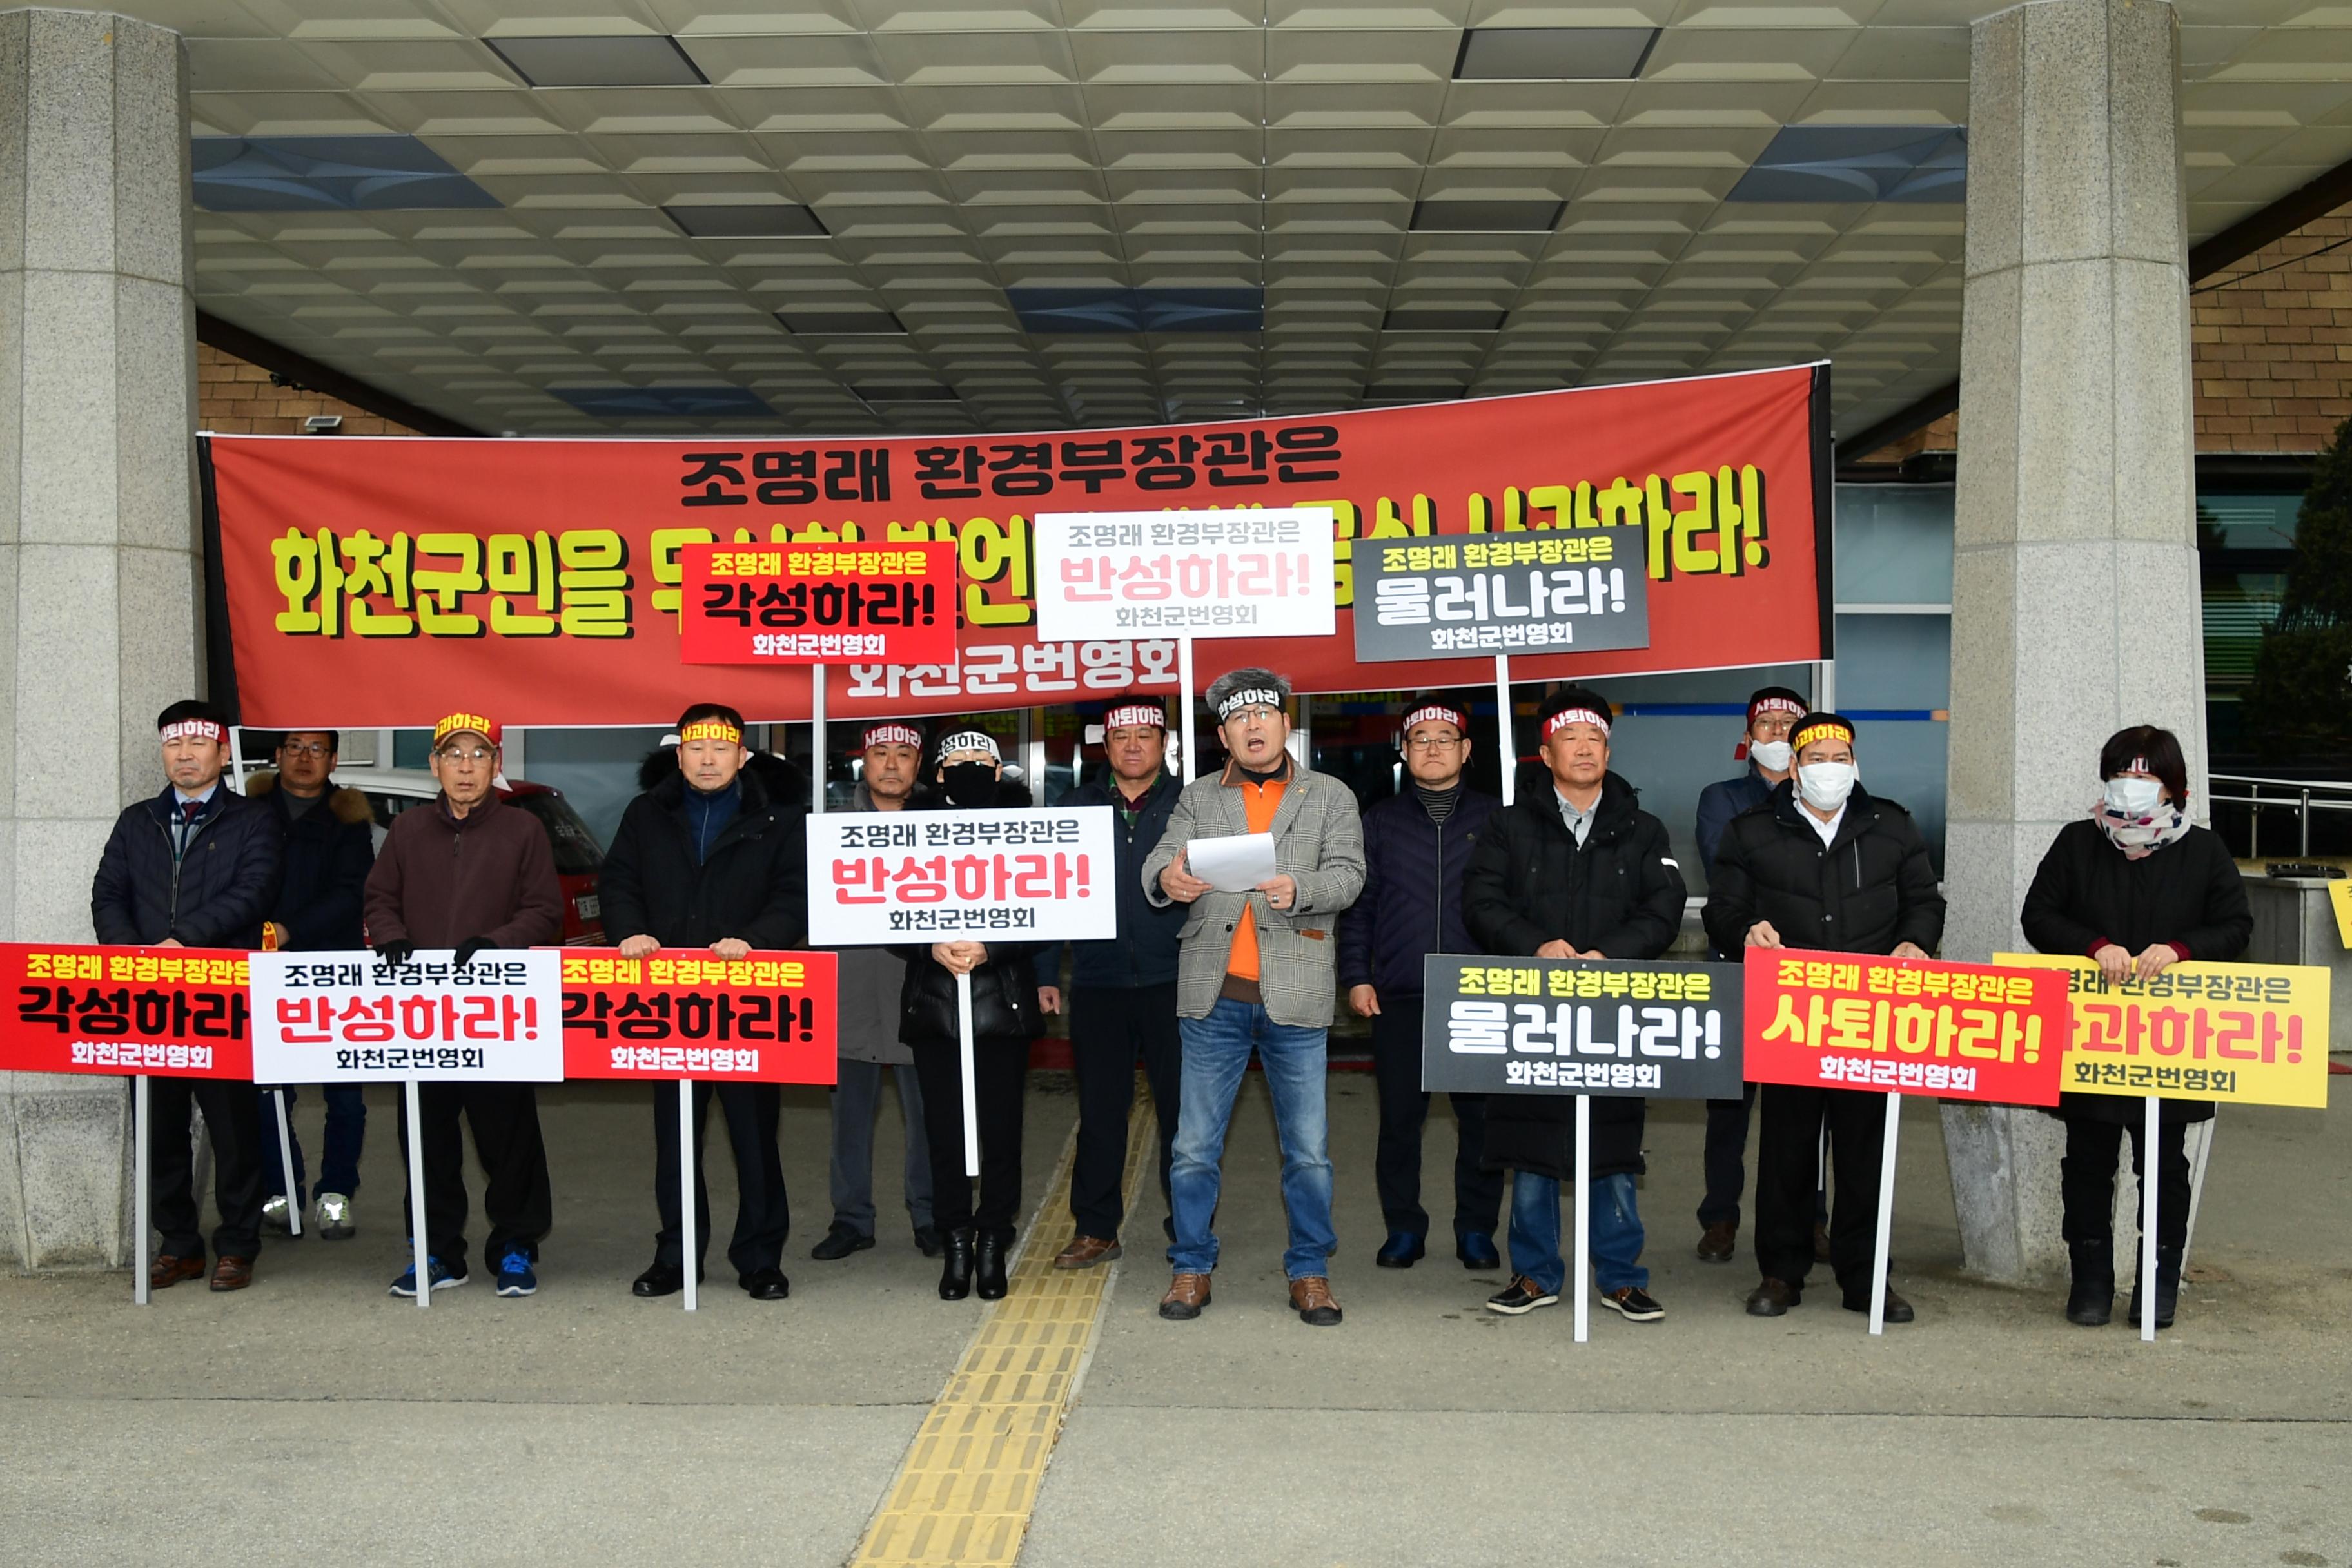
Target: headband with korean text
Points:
(971, 740)
(194, 730)
(1255, 696)
(1567, 716)
(1822, 730)
(710, 729)
(1136, 713)
(891, 735)
(1433, 711)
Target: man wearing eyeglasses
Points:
(329, 834)
(470, 874)
(1416, 847)
(1256, 969)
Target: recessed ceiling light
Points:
(1058, 310)
(1471, 216)
(830, 323)
(1553, 54)
(638, 60)
(1441, 319)
(1859, 163)
(748, 220)
(348, 174)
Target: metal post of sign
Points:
(141, 1181)
(285, 1161)
(418, 1258)
(1583, 1213)
(816, 738)
(689, 1167)
(236, 758)
(1189, 765)
(1886, 1215)
(970, 1095)
(2148, 1185)
(1509, 756)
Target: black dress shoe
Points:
(1477, 1251)
(988, 1264)
(840, 1241)
(1771, 1297)
(955, 1273)
(767, 1284)
(928, 1242)
(661, 1280)
(1402, 1250)
(1898, 1310)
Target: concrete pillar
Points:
(2074, 599)
(97, 538)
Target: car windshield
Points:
(576, 851)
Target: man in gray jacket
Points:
(1257, 968)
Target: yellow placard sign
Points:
(2250, 1034)
(2339, 898)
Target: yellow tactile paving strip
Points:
(964, 1491)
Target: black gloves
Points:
(395, 952)
(468, 948)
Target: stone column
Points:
(97, 538)
(2076, 603)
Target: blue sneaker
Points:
(515, 1278)
(444, 1277)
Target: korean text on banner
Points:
(919, 876)
(1554, 592)
(818, 604)
(1185, 573)
(339, 1017)
(1855, 1020)
(1520, 1025)
(177, 1012)
(2252, 1034)
(363, 576)
(768, 1018)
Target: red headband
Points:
(891, 734)
(1135, 713)
(1433, 711)
(1568, 716)
(194, 730)
(1764, 705)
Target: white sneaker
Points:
(278, 1215)
(335, 1220)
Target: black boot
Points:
(2167, 1288)
(993, 1244)
(955, 1274)
(2091, 1302)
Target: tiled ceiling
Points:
(909, 168)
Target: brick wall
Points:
(234, 397)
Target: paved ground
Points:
(315, 1419)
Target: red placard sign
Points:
(179, 1011)
(1855, 1020)
(768, 1018)
(819, 604)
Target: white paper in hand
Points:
(1232, 865)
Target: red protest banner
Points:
(811, 603)
(1853, 1020)
(180, 1012)
(768, 1018)
(364, 576)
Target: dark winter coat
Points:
(2086, 894)
(1720, 802)
(327, 851)
(750, 882)
(1621, 894)
(1003, 990)
(1411, 903)
(1144, 951)
(215, 895)
(1872, 889)
(443, 879)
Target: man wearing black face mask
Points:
(1007, 1008)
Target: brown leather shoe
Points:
(1821, 1242)
(1310, 1297)
(1086, 1251)
(232, 1273)
(1771, 1297)
(167, 1270)
(1187, 1296)
(1714, 1244)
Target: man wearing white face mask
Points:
(1824, 865)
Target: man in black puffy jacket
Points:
(196, 866)
(708, 857)
(1577, 870)
(1417, 847)
(1824, 865)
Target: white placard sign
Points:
(919, 876)
(1113, 574)
(345, 1018)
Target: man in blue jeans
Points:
(1257, 968)
(1577, 870)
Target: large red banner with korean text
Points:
(768, 1018)
(179, 1011)
(1918, 1025)
(375, 581)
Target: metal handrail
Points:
(2297, 799)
